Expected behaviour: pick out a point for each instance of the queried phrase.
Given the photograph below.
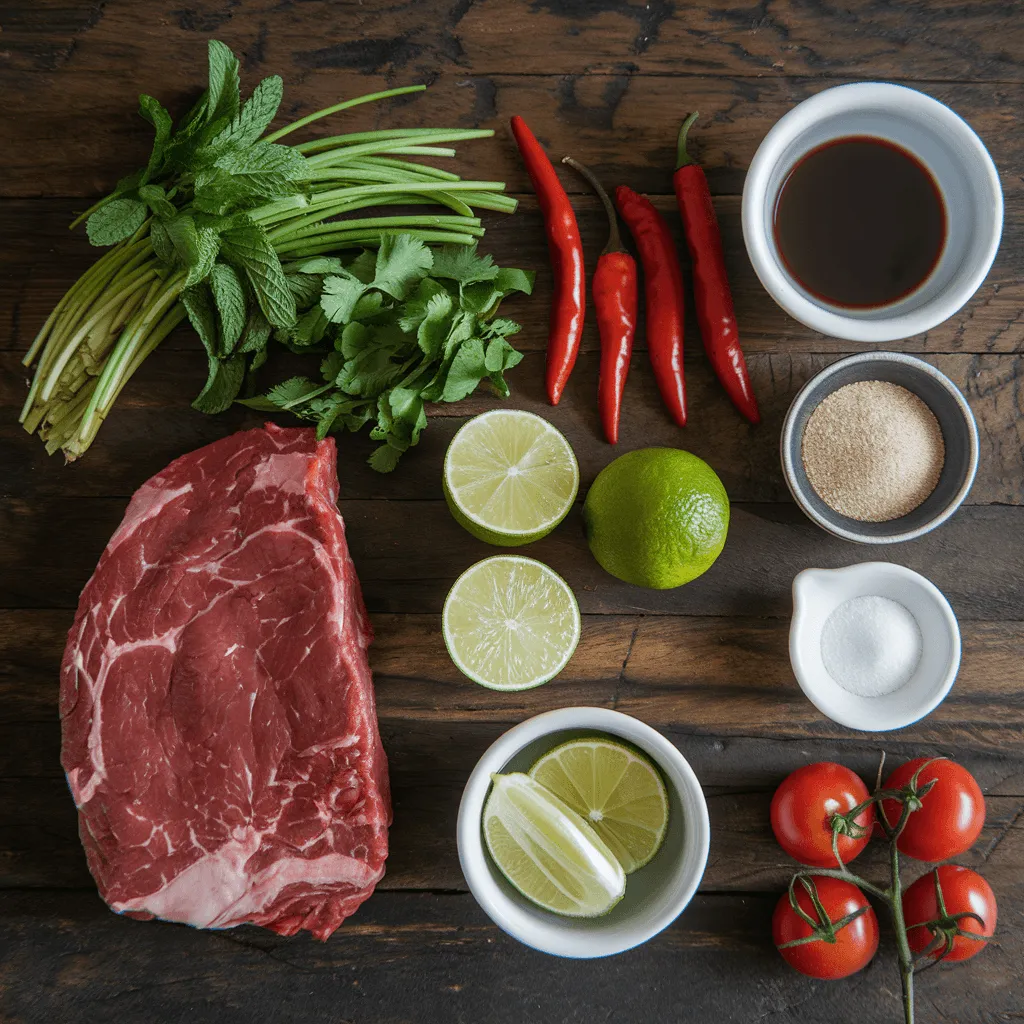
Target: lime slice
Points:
(547, 851)
(616, 789)
(510, 623)
(510, 477)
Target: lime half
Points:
(547, 851)
(510, 623)
(510, 477)
(618, 791)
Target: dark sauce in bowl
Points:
(860, 222)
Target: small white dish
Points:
(818, 592)
(655, 895)
(943, 142)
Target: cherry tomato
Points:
(855, 943)
(962, 890)
(802, 810)
(951, 814)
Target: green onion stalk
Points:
(122, 307)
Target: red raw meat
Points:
(219, 727)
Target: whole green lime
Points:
(657, 517)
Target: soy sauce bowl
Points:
(948, 405)
(936, 137)
(655, 894)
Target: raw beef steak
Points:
(219, 730)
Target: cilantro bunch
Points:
(211, 229)
(401, 328)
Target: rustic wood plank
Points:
(155, 406)
(48, 549)
(862, 38)
(624, 126)
(425, 957)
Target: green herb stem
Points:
(371, 97)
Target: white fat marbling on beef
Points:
(219, 730)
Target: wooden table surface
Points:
(608, 80)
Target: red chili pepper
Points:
(566, 249)
(614, 289)
(663, 295)
(711, 295)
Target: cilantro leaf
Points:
(341, 293)
(433, 329)
(116, 220)
(509, 279)
(467, 370)
(402, 261)
(461, 263)
(384, 459)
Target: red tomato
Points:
(802, 810)
(951, 813)
(855, 943)
(962, 890)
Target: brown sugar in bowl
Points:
(941, 465)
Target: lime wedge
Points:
(618, 791)
(510, 477)
(547, 851)
(510, 623)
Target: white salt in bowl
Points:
(818, 592)
(948, 405)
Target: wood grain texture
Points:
(49, 548)
(607, 80)
(425, 957)
(921, 39)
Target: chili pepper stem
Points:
(683, 159)
(614, 243)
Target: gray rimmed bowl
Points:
(959, 433)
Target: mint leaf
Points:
(248, 248)
(199, 305)
(161, 242)
(222, 94)
(229, 296)
(461, 263)
(341, 293)
(306, 288)
(156, 199)
(265, 169)
(508, 280)
(309, 329)
(217, 192)
(401, 262)
(253, 119)
(467, 370)
(115, 221)
(162, 124)
(223, 383)
(255, 336)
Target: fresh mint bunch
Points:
(210, 230)
(399, 329)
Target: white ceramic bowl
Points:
(943, 142)
(818, 592)
(655, 895)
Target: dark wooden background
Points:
(608, 80)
